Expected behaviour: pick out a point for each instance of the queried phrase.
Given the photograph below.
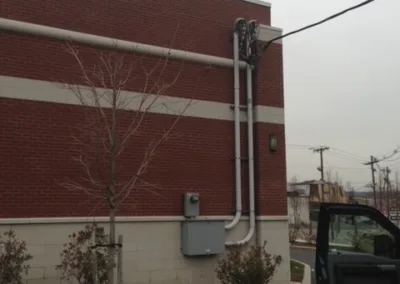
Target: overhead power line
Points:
(344, 168)
(387, 157)
(375, 161)
(342, 153)
(346, 157)
(391, 160)
(394, 165)
(298, 146)
(349, 153)
(268, 43)
(351, 156)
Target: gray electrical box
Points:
(191, 204)
(202, 238)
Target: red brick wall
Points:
(270, 167)
(198, 26)
(202, 26)
(269, 78)
(36, 140)
(270, 170)
(36, 137)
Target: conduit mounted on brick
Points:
(112, 43)
(236, 109)
(250, 135)
(251, 34)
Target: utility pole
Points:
(321, 150)
(380, 191)
(386, 188)
(388, 191)
(372, 164)
(397, 197)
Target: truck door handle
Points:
(387, 267)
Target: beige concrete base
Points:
(151, 251)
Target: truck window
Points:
(356, 234)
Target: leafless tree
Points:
(338, 179)
(115, 119)
(396, 195)
(295, 206)
(292, 183)
(351, 191)
(349, 186)
(328, 175)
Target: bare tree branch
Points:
(81, 94)
(113, 118)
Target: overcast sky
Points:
(342, 86)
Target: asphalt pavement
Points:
(305, 256)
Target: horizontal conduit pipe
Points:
(111, 43)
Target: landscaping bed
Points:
(296, 271)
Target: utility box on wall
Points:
(191, 204)
(202, 238)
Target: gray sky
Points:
(341, 85)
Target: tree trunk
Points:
(111, 252)
(111, 189)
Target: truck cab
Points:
(356, 244)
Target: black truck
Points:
(356, 244)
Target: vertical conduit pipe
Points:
(249, 89)
(250, 133)
(238, 173)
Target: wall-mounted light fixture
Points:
(273, 143)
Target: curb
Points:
(300, 247)
(307, 272)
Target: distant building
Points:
(305, 197)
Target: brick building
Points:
(39, 120)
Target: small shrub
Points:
(13, 258)
(76, 257)
(244, 266)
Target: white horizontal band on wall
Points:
(127, 219)
(259, 2)
(127, 46)
(43, 91)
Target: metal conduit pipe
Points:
(250, 134)
(238, 172)
(112, 43)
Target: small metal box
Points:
(191, 205)
(202, 238)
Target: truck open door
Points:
(356, 244)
